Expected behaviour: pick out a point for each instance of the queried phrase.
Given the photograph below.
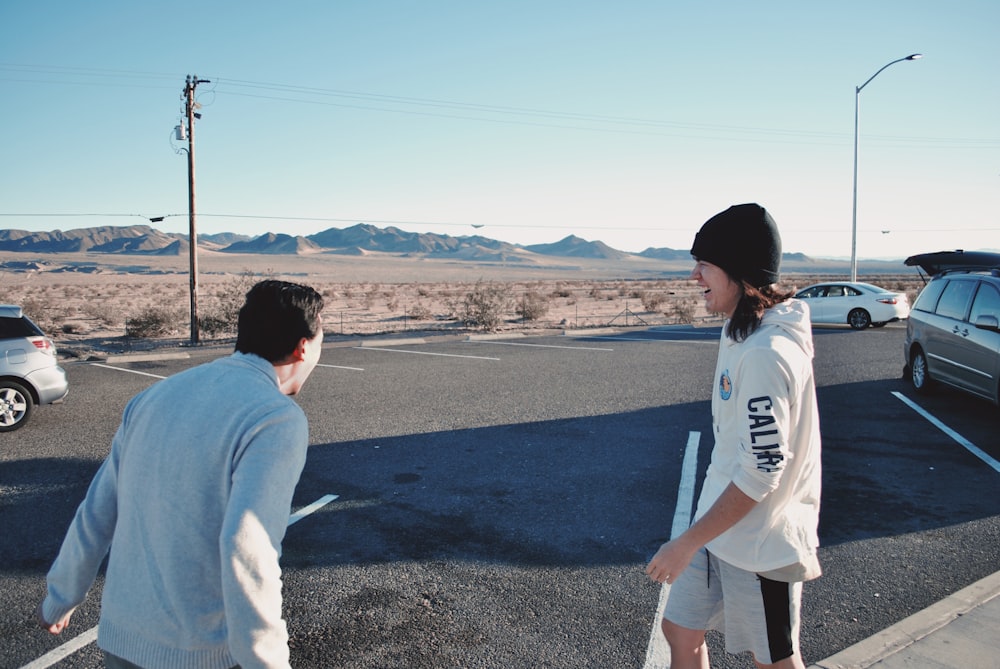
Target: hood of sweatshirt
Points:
(789, 319)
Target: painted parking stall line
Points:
(962, 441)
(686, 339)
(158, 376)
(310, 509)
(86, 638)
(514, 343)
(443, 355)
(130, 371)
(658, 651)
(62, 652)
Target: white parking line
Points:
(353, 369)
(64, 651)
(403, 350)
(658, 651)
(968, 445)
(310, 509)
(714, 340)
(130, 371)
(514, 343)
(86, 638)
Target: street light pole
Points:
(854, 213)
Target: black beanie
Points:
(744, 241)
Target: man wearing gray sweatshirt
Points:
(193, 502)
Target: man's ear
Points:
(299, 354)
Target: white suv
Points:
(953, 334)
(29, 372)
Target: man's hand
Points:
(672, 558)
(53, 628)
(675, 555)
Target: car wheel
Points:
(15, 405)
(859, 319)
(919, 376)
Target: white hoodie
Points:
(767, 442)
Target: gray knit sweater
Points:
(193, 502)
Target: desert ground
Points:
(98, 302)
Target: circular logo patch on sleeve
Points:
(725, 386)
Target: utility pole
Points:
(190, 84)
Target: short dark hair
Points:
(277, 315)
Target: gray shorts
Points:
(115, 662)
(754, 613)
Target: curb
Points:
(591, 332)
(914, 628)
(392, 342)
(494, 337)
(146, 357)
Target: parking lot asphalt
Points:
(497, 500)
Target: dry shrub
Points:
(106, 314)
(485, 305)
(153, 322)
(651, 300)
(683, 311)
(419, 312)
(533, 306)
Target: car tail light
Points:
(887, 300)
(44, 344)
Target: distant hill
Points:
(666, 254)
(393, 240)
(273, 244)
(136, 239)
(221, 239)
(575, 247)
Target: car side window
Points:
(987, 302)
(954, 302)
(851, 292)
(835, 291)
(929, 296)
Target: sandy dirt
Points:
(85, 300)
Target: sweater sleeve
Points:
(265, 472)
(87, 541)
(764, 399)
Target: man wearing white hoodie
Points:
(739, 568)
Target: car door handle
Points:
(962, 331)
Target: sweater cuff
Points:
(54, 612)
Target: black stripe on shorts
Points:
(777, 605)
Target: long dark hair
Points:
(751, 307)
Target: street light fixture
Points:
(854, 214)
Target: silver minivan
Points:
(953, 333)
(29, 372)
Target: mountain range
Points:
(359, 239)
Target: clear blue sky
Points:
(627, 122)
